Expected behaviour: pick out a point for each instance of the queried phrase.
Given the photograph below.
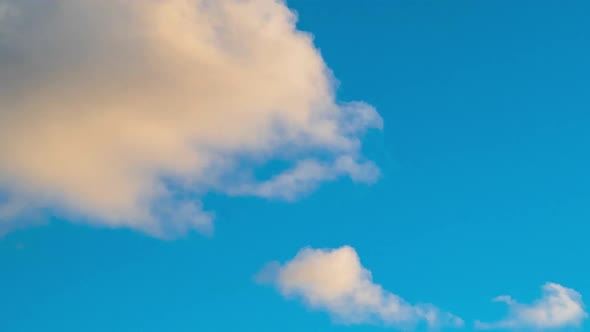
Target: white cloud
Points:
(558, 307)
(111, 110)
(307, 174)
(334, 280)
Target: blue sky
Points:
(483, 188)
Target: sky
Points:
(231, 165)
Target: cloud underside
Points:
(125, 113)
(558, 307)
(335, 281)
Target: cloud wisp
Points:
(335, 281)
(112, 110)
(558, 307)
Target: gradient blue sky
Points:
(484, 187)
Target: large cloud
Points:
(116, 111)
(334, 280)
(559, 307)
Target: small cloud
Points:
(306, 175)
(558, 307)
(334, 280)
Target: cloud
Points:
(558, 307)
(306, 175)
(125, 113)
(334, 280)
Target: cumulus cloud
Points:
(558, 307)
(334, 280)
(124, 113)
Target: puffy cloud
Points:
(334, 280)
(113, 112)
(558, 307)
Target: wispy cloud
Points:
(334, 280)
(108, 108)
(558, 307)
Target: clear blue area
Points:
(485, 189)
